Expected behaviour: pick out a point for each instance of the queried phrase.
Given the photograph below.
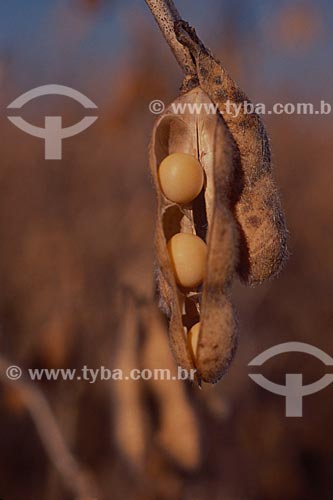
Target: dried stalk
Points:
(59, 454)
(166, 15)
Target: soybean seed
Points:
(181, 178)
(188, 255)
(193, 337)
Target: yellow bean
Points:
(193, 337)
(181, 178)
(188, 254)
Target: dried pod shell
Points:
(179, 432)
(205, 136)
(257, 206)
(130, 423)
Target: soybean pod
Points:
(208, 218)
(257, 206)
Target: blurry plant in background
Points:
(76, 260)
(298, 26)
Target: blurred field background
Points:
(76, 257)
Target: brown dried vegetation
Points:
(72, 233)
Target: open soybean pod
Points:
(263, 246)
(204, 136)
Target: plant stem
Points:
(166, 14)
(51, 436)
